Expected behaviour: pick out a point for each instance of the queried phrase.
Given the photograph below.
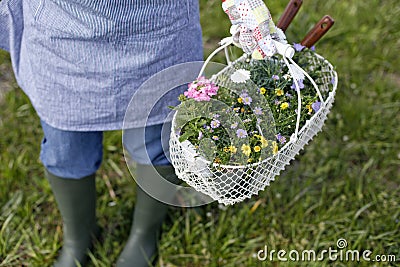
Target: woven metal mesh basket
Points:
(232, 184)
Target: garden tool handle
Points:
(318, 31)
(288, 15)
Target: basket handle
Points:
(285, 50)
(296, 84)
(224, 46)
(287, 53)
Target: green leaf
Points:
(184, 136)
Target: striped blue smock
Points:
(80, 61)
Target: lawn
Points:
(344, 185)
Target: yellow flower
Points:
(217, 160)
(257, 148)
(246, 149)
(240, 100)
(242, 110)
(262, 90)
(233, 149)
(250, 160)
(309, 108)
(264, 142)
(284, 105)
(279, 92)
(227, 149)
(275, 148)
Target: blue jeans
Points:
(74, 155)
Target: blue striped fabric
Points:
(80, 61)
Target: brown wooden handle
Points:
(318, 31)
(288, 15)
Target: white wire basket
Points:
(230, 184)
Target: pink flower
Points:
(201, 89)
(202, 97)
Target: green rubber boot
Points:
(149, 214)
(76, 200)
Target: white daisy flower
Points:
(240, 76)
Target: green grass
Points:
(344, 185)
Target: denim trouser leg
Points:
(149, 146)
(74, 155)
(71, 154)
